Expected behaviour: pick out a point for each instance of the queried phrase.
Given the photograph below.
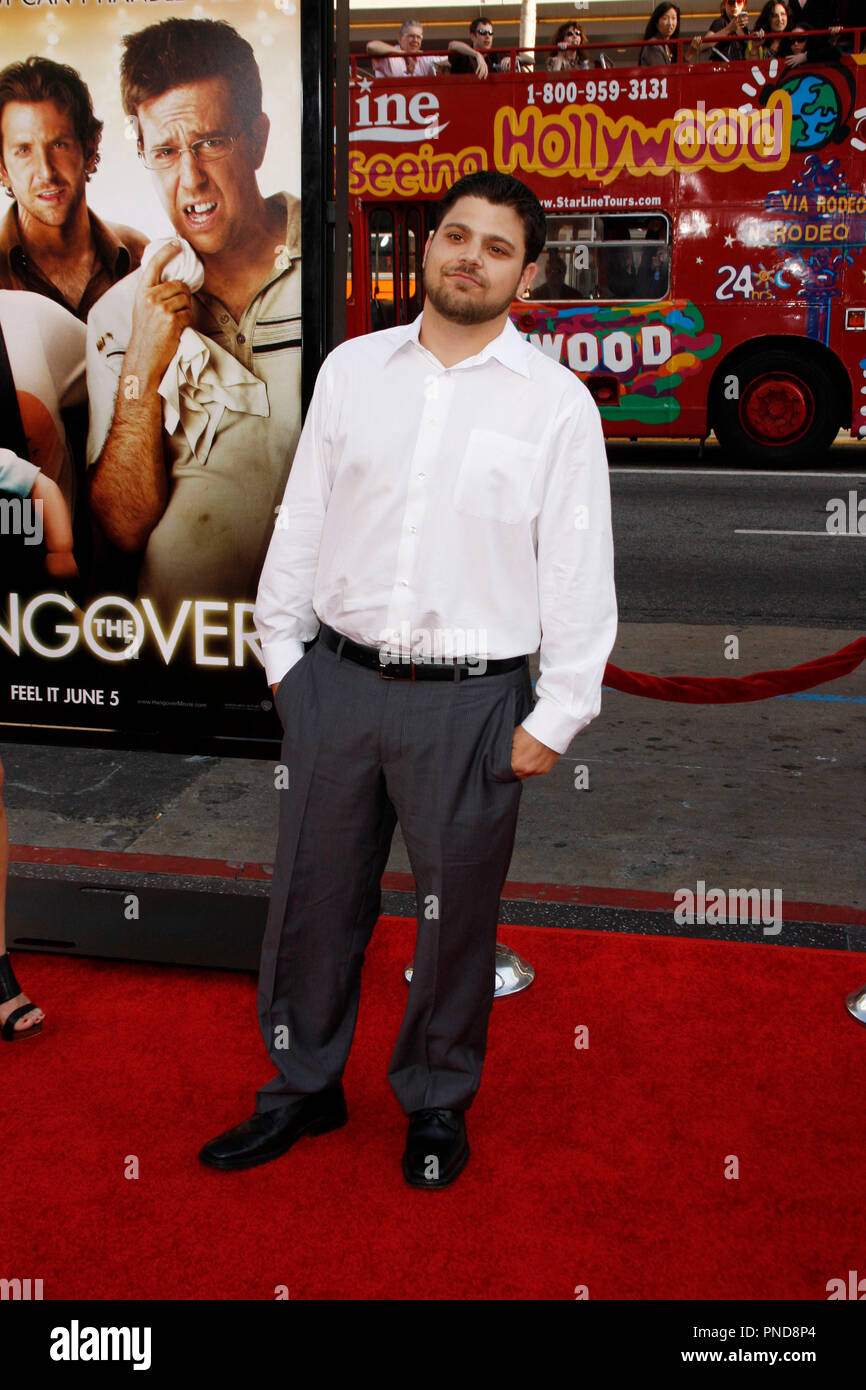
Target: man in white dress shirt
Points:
(404, 58)
(428, 553)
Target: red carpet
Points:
(601, 1167)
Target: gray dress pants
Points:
(362, 752)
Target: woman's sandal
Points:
(9, 987)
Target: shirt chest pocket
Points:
(495, 476)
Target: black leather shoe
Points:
(436, 1148)
(267, 1136)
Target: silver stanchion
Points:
(512, 973)
(856, 1005)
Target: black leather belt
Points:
(371, 657)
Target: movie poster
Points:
(150, 367)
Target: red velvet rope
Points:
(729, 690)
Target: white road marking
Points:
(835, 534)
(733, 472)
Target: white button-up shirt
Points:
(450, 511)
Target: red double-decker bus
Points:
(705, 265)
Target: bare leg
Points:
(27, 1020)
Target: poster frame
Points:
(317, 295)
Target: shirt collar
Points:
(508, 347)
(289, 252)
(9, 235)
(110, 250)
(293, 224)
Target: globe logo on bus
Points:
(816, 109)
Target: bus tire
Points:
(775, 407)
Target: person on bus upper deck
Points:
(731, 27)
(664, 23)
(826, 14)
(568, 38)
(404, 58)
(807, 47)
(767, 36)
(798, 40)
(829, 15)
(847, 14)
(477, 56)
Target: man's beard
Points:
(47, 216)
(462, 308)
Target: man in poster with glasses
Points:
(192, 433)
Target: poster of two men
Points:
(150, 369)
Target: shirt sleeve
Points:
(284, 616)
(63, 338)
(16, 474)
(577, 599)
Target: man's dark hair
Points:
(507, 192)
(40, 79)
(478, 21)
(179, 51)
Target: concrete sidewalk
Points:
(768, 794)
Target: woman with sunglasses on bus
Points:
(767, 36)
(807, 47)
(568, 39)
(664, 23)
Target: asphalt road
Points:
(682, 556)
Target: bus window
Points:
(413, 263)
(617, 257)
(382, 308)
